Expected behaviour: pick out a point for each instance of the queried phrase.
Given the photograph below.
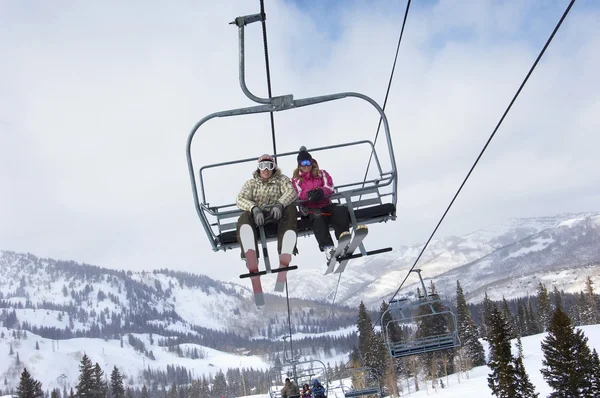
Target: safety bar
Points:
(253, 159)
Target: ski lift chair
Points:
(299, 372)
(219, 221)
(413, 342)
(372, 384)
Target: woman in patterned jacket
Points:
(268, 197)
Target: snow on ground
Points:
(538, 244)
(55, 359)
(473, 384)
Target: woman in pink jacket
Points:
(315, 185)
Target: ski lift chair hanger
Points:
(417, 345)
(368, 389)
(219, 221)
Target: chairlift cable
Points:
(485, 147)
(387, 93)
(264, 31)
(289, 319)
(268, 70)
(334, 296)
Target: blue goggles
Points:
(305, 163)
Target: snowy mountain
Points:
(164, 317)
(63, 300)
(503, 258)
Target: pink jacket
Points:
(306, 182)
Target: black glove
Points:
(259, 217)
(276, 211)
(316, 195)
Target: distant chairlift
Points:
(402, 325)
(300, 372)
(366, 201)
(365, 382)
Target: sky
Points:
(97, 101)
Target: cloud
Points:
(97, 102)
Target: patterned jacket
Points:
(256, 192)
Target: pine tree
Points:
(467, 330)
(591, 315)
(29, 387)
(370, 344)
(85, 386)
(523, 386)
(567, 359)
(532, 323)
(544, 309)
(510, 320)
(55, 393)
(219, 387)
(116, 384)
(100, 386)
(486, 316)
(595, 372)
(503, 378)
(558, 302)
(521, 319)
(37, 345)
(145, 392)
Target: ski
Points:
(285, 258)
(248, 244)
(359, 234)
(343, 243)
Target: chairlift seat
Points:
(360, 393)
(423, 345)
(368, 215)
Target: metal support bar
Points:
(263, 243)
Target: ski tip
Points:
(279, 286)
(259, 299)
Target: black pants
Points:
(332, 214)
(288, 221)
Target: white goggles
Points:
(266, 165)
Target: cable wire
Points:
(485, 146)
(387, 92)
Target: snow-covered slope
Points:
(56, 363)
(503, 252)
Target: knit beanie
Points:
(303, 155)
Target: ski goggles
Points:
(266, 165)
(305, 163)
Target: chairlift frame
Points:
(295, 371)
(216, 219)
(352, 392)
(418, 345)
